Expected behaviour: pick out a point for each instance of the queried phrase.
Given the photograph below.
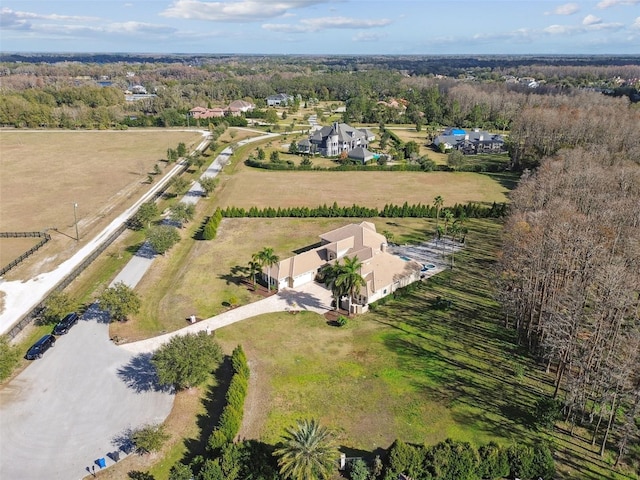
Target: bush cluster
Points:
(462, 461)
(211, 227)
(469, 210)
(231, 417)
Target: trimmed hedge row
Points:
(211, 227)
(470, 210)
(231, 417)
(462, 461)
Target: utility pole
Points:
(75, 219)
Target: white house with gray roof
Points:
(332, 140)
(470, 142)
(279, 99)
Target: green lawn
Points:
(407, 370)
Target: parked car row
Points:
(49, 340)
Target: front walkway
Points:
(312, 297)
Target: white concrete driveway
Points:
(312, 297)
(65, 411)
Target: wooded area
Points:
(570, 278)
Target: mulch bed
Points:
(258, 289)
(333, 315)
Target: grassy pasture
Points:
(45, 172)
(12, 248)
(373, 189)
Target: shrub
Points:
(342, 321)
(359, 470)
(150, 438)
(547, 412)
(216, 440)
(520, 461)
(9, 357)
(543, 464)
(493, 461)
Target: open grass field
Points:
(45, 172)
(204, 277)
(373, 189)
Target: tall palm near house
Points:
(307, 452)
(448, 217)
(268, 258)
(350, 277)
(254, 268)
(438, 202)
(330, 274)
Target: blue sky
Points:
(322, 26)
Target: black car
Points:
(41, 346)
(64, 325)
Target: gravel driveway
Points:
(64, 411)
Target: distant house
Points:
(235, 109)
(332, 140)
(470, 142)
(398, 104)
(138, 90)
(241, 106)
(383, 272)
(201, 112)
(280, 99)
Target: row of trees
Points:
(452, 460)
(210, 229)
(570, 285)
(469, 210)
(231, 416)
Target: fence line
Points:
(45, 238)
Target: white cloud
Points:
(566, 9)
(368, 36)
(138, 28)
(578, 29)
(236, 11)
(17, 20)
(636, 24)
(591, 20)
(613, 3)
(520, 35)
(325, 23)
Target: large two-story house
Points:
(383, 272)
(332, 140)
(279, 99)
(470, 142)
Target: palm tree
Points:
(448, 217)
(254, 268)
(330, 273)
(438, 202)
(268, 258)
(350, 277)
(308, 452)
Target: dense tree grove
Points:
(570, 283)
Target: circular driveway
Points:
(70, 407)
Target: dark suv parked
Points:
(64, 325)
(41, 346)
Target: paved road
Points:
(64, 411)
